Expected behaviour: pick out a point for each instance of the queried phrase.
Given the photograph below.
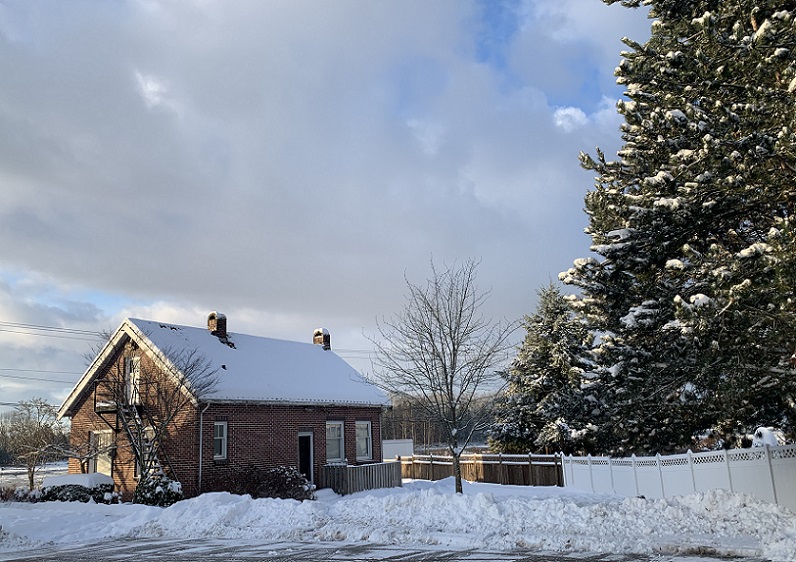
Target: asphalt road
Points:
(235, 551)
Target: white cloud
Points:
(152, 90)
(605, 117)
(428, 135)
(570, 118)
(320, 153)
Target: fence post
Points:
(591, 476)
(563, 474)
(500, 468)
(660, 473)
(398, 477)
(560, 473)
(431, 466)
(691, 468)
(562, 477)
(611, 472)
(531, 481)
(729, 472)
(771, 472)
(571, 471)
(635, 473)
(400, 465)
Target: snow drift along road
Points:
(422, 513)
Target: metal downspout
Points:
(201, 451)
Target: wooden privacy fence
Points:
(520, 470)
(766, 472)
(348, 479)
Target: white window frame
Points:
(132, 379)
(340, 456)
(95, 439)
(364, 428)
(224, 438)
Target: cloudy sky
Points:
(286, 162)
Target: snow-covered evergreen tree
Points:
(546, 399)
(694, 291)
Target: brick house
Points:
(272, 402)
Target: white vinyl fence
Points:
(766, 472)
(391, 448)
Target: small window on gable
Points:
(219, 440)
(364, 441)
(335, 446)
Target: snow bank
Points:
(768, 436)
(426, 513)
(88, 480)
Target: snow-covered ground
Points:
(428, 513)
(15, 476)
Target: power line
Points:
(40, 371)
(50, 328)
(80, 335)
(43, 379)
(48, 335)
(17, 404)
(355, 353)
(49, 331)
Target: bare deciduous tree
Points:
(440, 354)
(34, 434)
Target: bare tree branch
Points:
(34, 434)
(440, 353)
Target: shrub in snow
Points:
(94, 487)
(284, 482)
(8, 494)
(159, 490)
(768, 436)
(19, 494)
(100, 493)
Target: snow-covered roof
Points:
(250, 368)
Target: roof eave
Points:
(298, 403)
(67, 408)
(127, 330)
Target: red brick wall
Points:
(267, 436)
(85, 420)
(259, 435)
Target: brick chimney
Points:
(321, 337)
(217, 324)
